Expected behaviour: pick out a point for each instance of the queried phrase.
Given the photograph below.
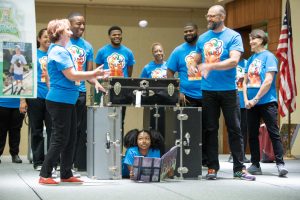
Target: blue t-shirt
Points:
(182, 60)
(154, 70)
(82, 52)
(116, 59)
(42, 88)
(216, 47)
(62, 89)
(10, 102)
(134, 151)
(240, 74)
(257, 67)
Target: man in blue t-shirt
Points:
(182, 60)
(219, 51)
(83, 55)
(117, 58)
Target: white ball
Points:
(143, 23)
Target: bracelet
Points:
(255, 100)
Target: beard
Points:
(191, 39)
(214, 25)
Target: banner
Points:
(18, 49)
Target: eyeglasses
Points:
(210, 16)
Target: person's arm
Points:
(170, 73)
(264, 88)
(23, 106)
(74, 75)
(231, 62)
(245, 91)
(129, 70)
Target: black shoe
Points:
(16, 159)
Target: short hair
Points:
(74, 14)
(57, 27)
(258, 33)
(40, 33)
(155, 44)
(113, 28)
(192, 24)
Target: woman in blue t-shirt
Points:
(156, 68)
(259, 88)
(60, 102)
(140, 143)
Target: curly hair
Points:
(157, 140)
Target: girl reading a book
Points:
(140, 143)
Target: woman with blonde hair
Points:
(60, 102)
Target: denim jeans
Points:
(38, 116)
(228, 102)
(268, 112)
(62, 139)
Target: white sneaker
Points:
(282, 171)
(54, 173)
(75, 173)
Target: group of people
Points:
(206, 66)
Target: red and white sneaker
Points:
(47, 181)
(72, 179)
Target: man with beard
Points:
(83, 55)
(117, 58)
(219, 51)
(182, 60)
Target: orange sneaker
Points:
(71, 180)
(47, 181)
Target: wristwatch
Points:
(255, 100)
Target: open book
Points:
(147, 169)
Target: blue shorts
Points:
(18, 77)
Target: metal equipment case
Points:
(122, 91)
(184, 129)
(104, 142)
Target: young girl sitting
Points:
(140, 143)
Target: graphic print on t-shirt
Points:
(116, 63)
(240, 72)
(253, 74)
(193, 70)
(213, 50)
(159, 73)
(79, 56)
(43, 64)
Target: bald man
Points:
(218, 52)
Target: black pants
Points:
(11, 121)
(62, 141)
(38, 116)
(228, 101)
(81, 136)
(244, 127)
(268, 112)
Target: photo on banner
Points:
(18, 72)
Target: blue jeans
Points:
(228, 101)
(268, 112)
